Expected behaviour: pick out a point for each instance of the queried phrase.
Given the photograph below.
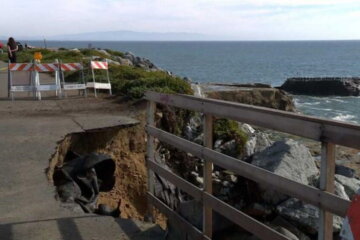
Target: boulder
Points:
(344, 171)
(280, 221)
(229, 148)
(246, 128)
(140, 62)
(304, 215)
(288, 159)
(75, 50)
(130, 56)
(194, 127)
(192, 211)
(104, 52)
(113, 62)
(351, 185)
(326, 86)
(257, 142)
(340, 191)
(199, 139)
(123, 61)
(163, 189)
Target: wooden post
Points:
(327, 178)
(150, 151)
(208, 167)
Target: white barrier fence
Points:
(72, 67)
(105, 84)
(41, 86)
(24, 84)
(30, 80)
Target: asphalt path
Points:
(29, 133)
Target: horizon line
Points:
(202, 40)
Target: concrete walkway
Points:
(30, 131)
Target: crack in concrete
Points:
(70, 117)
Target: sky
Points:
(224, 19)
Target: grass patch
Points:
(62, 54)
(49, 56)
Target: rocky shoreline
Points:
(288, 156)
(284, 155)
(291, 157)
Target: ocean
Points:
(270, 62)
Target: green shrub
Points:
(126, 80)
(115, 53)
(228, 130)
(163, 84)
(134, 82)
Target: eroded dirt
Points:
(127, 146)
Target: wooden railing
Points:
(327, 132)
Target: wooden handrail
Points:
(340, 133)
(327, 132)
(287, 186)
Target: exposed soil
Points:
(126, 146)
(264, 97)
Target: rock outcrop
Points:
(323, 86)
(351, 185)
(257, 140)
(344, 171)
(138, 62)
(288, 159)
(259, 96)
(304, 215)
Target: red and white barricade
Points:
(351, 225)
(23, 82)
(96, 83)
(70, 67)
(40, 85)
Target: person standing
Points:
(12, 49)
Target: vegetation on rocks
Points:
(115, 53)
(130, 81)
(228, 130)
(144, 81)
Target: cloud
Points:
(231, 19)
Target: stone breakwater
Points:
(323, 86)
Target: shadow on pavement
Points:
(134, 232)
(66, 226)
(68, 229)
